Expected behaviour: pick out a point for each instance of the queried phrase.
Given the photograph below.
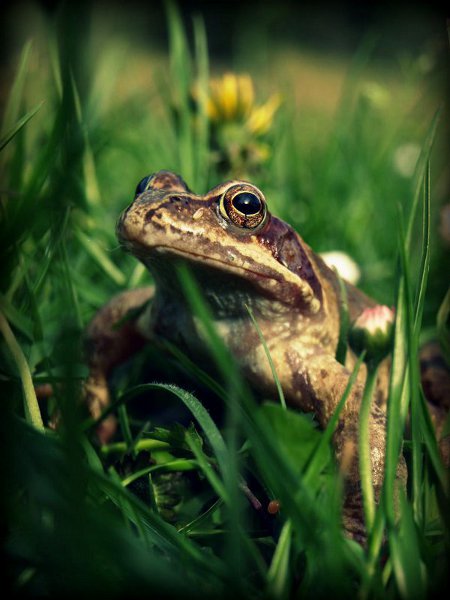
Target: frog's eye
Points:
(161, 180)
(244, 206)
(246, 203)
(143, 185)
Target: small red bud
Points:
(273, 507)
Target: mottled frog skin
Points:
(241, 255)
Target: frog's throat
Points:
(296, 289)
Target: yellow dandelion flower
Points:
(246, 94)
(231, 97)
(261, 117)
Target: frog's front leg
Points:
(112, 337)
(319, 382)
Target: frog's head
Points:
(227, 236)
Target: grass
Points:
(173, 505)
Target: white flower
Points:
(378, 318)
(344, 265)
(405, 159)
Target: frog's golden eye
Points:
(244, 206)
(143, 185)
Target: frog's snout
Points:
(134, 220)
(120, 225)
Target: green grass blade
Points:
(344, 322)
(191, 367)
(419, 175)
(269, 358)
(413, 335)
(163, 534)
(31, 406)
(9, 135)
(443, 326)
(271, 461)
(398, 387)
(429, 438)
(70, 291)
(279, 575)
(125, 429)
(15, 97)
(208, 471)
(317, 456)
(181, 73)
(425, 255)
(94, 249)
(91, 186)
(17, 318)
(202, 122)
(201, 415)
(195, 523)
(175, 466)
(200, 308)
(405, 555)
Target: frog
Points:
(245, 259)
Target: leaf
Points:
(405, 555)
(279, 575)
(199, 412)
(296, 435)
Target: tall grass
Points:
(182, 508)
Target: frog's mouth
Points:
(227, 290)
(201, 260)
(223, 267)
(227, 286)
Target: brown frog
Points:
(242, 256)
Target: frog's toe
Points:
(106, 429)
(96, 396)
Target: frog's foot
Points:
(112, 337)
(96, 396)
(352, 516)
(435, 377)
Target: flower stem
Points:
(31, 406)
(365, 463)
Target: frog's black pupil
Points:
(247, 203)
(142, 185)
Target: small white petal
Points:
(344, 265)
